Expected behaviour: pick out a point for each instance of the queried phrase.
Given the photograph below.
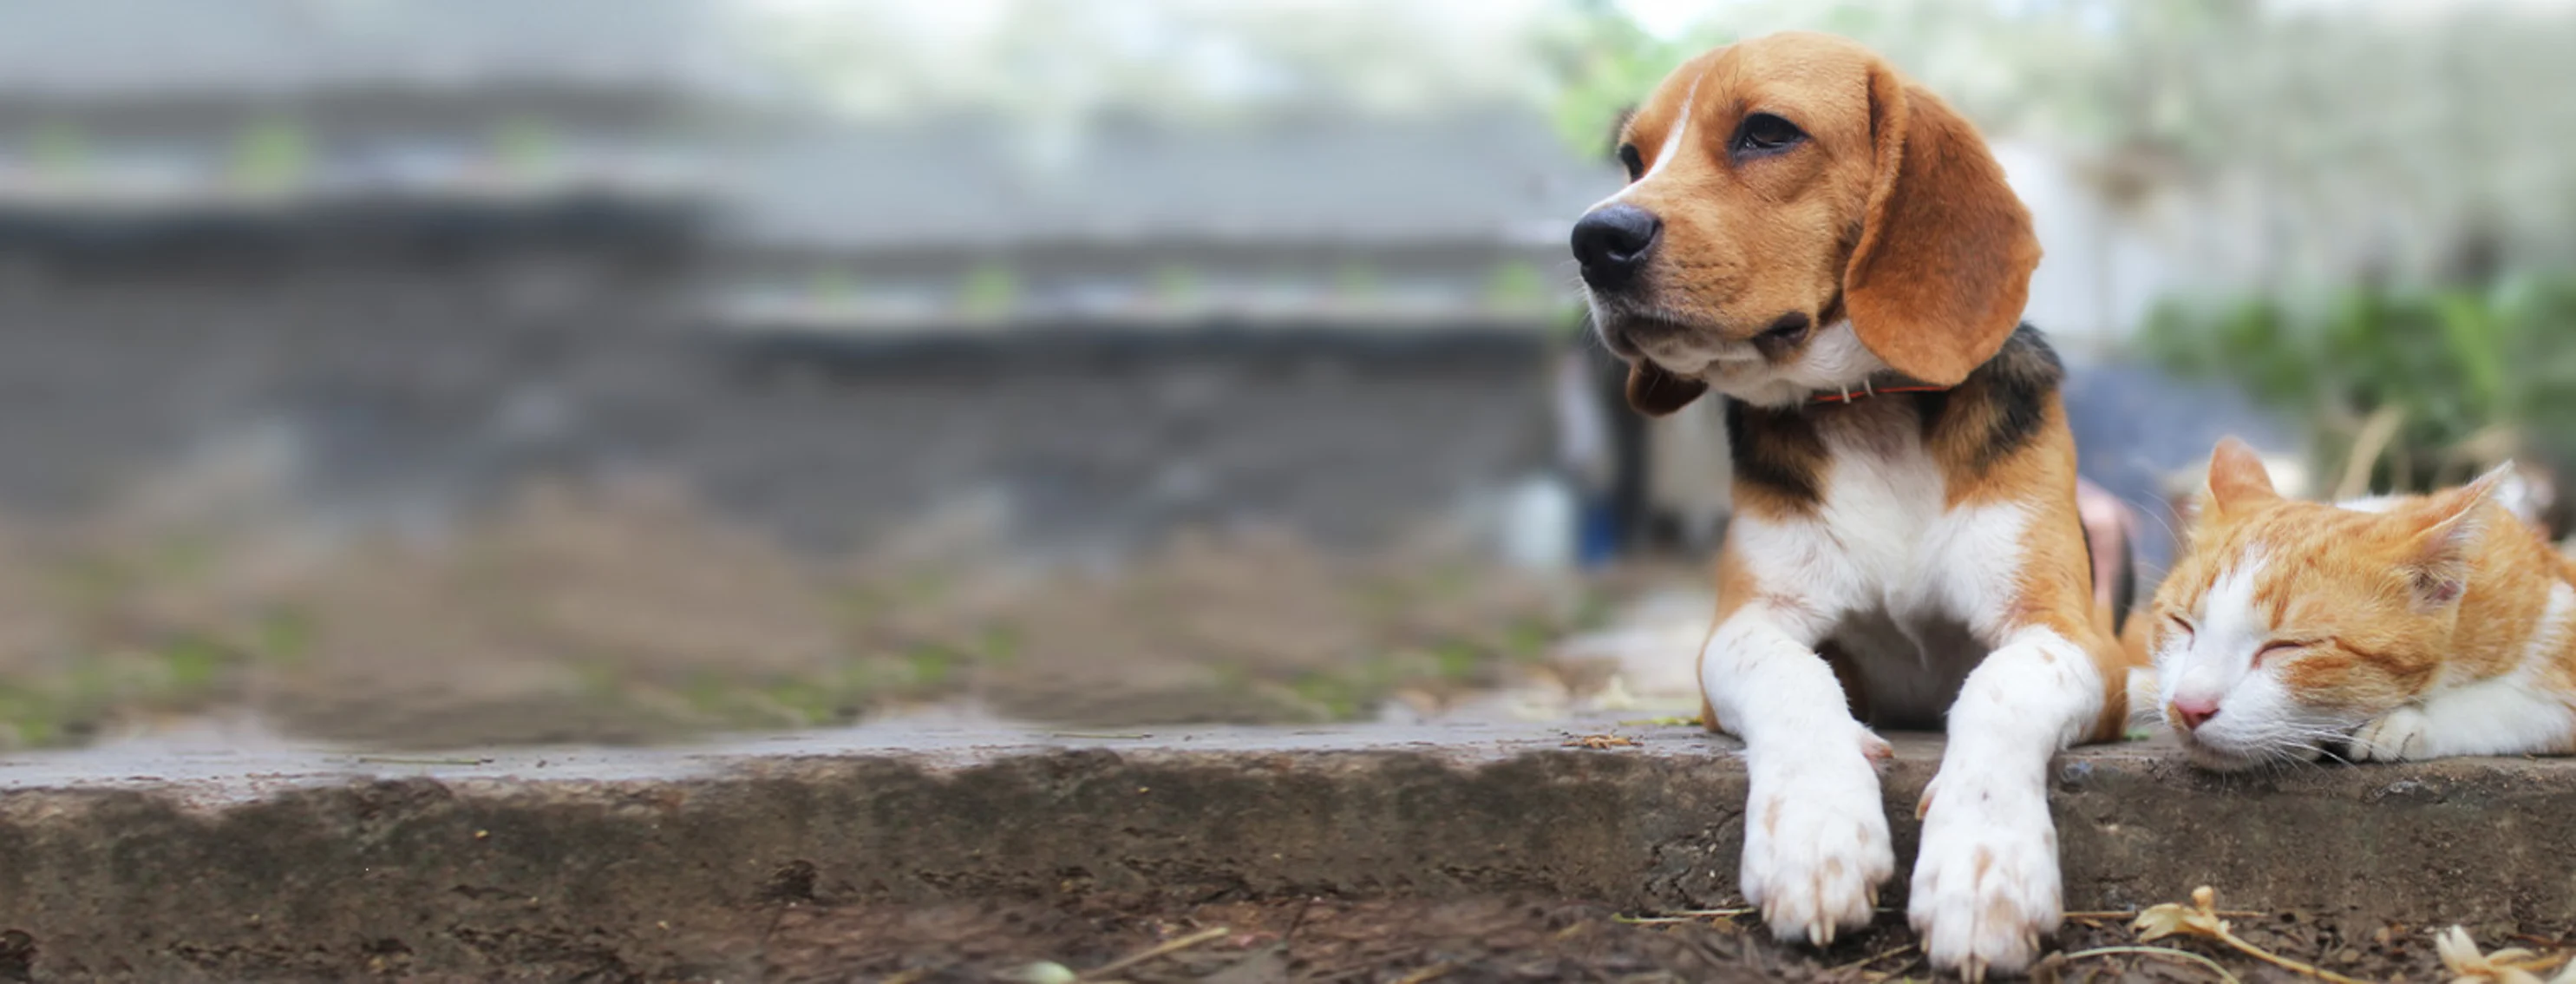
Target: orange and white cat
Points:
(2400, 627)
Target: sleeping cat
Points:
(2404, 627)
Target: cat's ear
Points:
(2494, 485)
(2437, 555)
(2237, 478)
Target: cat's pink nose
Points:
(2194, 711)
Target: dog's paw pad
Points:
(1816, 850)
(1985, 888)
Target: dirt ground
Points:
(621, 614)
(1414, 941)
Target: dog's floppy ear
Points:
(1654, 392)
(1946, 251)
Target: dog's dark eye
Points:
(1763, 133)
(1636, 165)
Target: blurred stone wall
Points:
(403, 368)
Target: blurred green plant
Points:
(2403, 389)
(1177, 287)
(111, 688)
(1516, 285)
(836, 290)
(61, 150)
(272, 155)
(989, 291)
(1605, 62)
(527, 147)
(1358, 281)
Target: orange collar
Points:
(1869, 389)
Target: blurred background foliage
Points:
(2404, 388)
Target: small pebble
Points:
(1041, 972)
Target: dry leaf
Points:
(2200, 918)
(2511, 965)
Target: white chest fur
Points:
(1912, 589)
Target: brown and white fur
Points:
(1802, 223)
(2391, 628)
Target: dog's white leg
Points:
(1986, 883)
(1815, 836)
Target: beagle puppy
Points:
(1831, 249)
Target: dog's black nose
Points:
(1611, 242)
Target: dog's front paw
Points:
(1986, 884)
(2395, 737)
(1816, 847)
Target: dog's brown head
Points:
(1799, 216)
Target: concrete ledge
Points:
(313, 862)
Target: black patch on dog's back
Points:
(2020, 380)
(1777, 449)
(2012, 390)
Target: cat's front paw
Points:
(1816, 846)
(1986, 883)
(2397, 736)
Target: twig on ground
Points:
(1707, 954)
(1430, 973)
(1683, 916)
(2157, 951)
(1874, 976)
(1160, 949)
(1866, 961)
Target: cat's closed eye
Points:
(2279, 647)
(2180, 623)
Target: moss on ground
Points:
(630, 614)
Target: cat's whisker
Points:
(2309, 756)
(2271, 764)
(2298, 756)
(2295, 744)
